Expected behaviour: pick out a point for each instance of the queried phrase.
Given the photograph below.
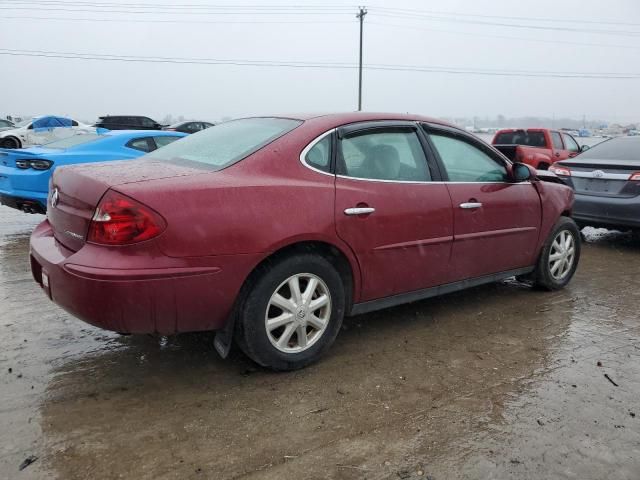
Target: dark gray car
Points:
(606, 181)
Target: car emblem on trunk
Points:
(598, 173)
(55, 196)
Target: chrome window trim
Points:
(430, 182)
(605, 175)
(312, 144)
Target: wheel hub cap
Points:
(298, 313)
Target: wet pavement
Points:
(496, 382)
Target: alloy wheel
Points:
(298, 313)
(562, 255)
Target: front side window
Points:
(319, 156)
(557, 141)
(570, 144)
(465, 162)
(228, 143)
(384, 155)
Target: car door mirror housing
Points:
(521, 172)
(584, 148)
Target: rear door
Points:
(496, 222)
(391, 208)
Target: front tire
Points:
(292, 312)
(10, 142)
(559, 257)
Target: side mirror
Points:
(584, 148)
(521, 172)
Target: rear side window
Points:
(147, 122)
(141, 144)
(319, 156)
(228, 143)
(465, 162)
(557, 141)
(384, 155)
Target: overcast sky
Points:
(463, 34)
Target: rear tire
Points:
(559, 258)
(292, 312)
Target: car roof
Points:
(350, 117)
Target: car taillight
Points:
(25, 163)
(558, 170)
(121, 220)
(635, 177)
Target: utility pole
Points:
(362, 12)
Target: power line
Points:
(326, 65)
(504, 17)
(176, 21)
(509, 25)
(138, 12)
(183, 5)
(506, 37)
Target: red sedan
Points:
(270, 230)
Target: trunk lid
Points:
(76, 190)
(604, 178)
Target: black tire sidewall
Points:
(543, 277)
(10, 142)
(255, 342)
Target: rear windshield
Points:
(227, 143)
(624, 148)
(521, 137)
(74, 140)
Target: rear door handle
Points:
(359, 211)
(470, 205)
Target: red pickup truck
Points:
(538, 147)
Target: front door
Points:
(389, 209)
(496, 221)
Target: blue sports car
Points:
(25, 173)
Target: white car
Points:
(41, 130)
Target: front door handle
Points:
(470, 205)
(359, 211)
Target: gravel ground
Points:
(496, 382)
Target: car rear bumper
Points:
(30, 204)
(23, 186)
(607, 211)
(170, 296)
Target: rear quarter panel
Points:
(257, 206)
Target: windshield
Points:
(521, 137)
(624, 148)
(227, 143)
(74, 141)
